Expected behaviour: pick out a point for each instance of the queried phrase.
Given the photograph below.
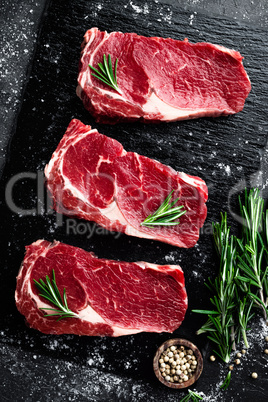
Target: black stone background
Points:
(228, 153)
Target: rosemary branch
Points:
(194, 396)
(106, 73)
(166, 214)
(50, 291)
(219, 325)
(242, 281)
(254, 277)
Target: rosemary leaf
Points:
(205, 311)
(226, 382)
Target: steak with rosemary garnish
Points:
(92, 177)
(105, 297)
(159, 79)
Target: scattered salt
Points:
(191, 18)
(136, 8)
(225, 167)
(170, 257)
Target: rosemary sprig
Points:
(191, 396)
(221, 320)
(166, 214)
(231, 302)
(242, 282)
(254, 277)
(226, 382)
(106, 73)
(50, 291)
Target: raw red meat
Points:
(161, 79)
(92, 177)
(112, 298)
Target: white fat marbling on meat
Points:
(91, 316)
(112, 212)
(155, 105)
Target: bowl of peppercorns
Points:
(178, 363)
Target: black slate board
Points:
(226, 152)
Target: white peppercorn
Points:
(212, 358)
(188, 357)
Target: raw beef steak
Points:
(161, 79)
(110, 297)
(92, 177)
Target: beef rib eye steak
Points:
(92, 177)
(160, 78)
(111, 298)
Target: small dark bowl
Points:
(188, 345)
